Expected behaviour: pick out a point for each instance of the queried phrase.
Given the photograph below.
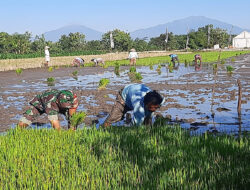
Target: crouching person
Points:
(77, 62)
(98, 61)
(51, 102)
(137, 98)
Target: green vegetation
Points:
(186, 63)
(208, 57)
(19, 71)
(50, 69)
(103, 83)
(215, 66)
(132, 69)
(223, 61)
(77, 118)
(75, 73)
(123, 158)
(117, 69)
(233, 60)
(230, 69)
(151, 67)
(138, 76)
(51, 81)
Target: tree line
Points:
(75, 43)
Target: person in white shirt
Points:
(132, 56)
(47, 57)
(98, 61)
(77, 62)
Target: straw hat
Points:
(46, 47)
(132, 50)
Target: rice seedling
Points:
(132, 69)
(170, 65)
(77, 118)
(186, 63)
(138, 76)
(117, 69)
(103, 83)
(19, 71)
(105, 66)
(159, 157)
(51, 81)
(233, 60)
(215, 66)
(50, 69)
(75, 73)
(151, 67)
(223, 61)
(230, 69)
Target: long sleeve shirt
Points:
(133, 95)
(133, 55)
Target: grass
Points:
(123, 158)
(19, 71)
(103, 83)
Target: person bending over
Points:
(137, 98)
(51, 102)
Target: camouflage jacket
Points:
(53, 102)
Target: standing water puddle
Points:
(198, 109)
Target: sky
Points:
(38, 16)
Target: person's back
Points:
(133, 94)
(78, 61)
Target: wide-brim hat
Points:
(46, 47)
(132, 50)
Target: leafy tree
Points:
(122, 40)
(72, 42)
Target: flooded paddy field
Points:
(199, 99)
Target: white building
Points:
(242, 40)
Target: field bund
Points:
(13, 64)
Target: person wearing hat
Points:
(47, 57)
(51, 102)
(174, 58)
(132, 56)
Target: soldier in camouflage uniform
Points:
(51, 102)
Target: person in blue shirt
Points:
(174, 58)
(137, 98)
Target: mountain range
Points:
(180, 26)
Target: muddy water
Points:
(198, 99)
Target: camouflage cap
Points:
(67, 99)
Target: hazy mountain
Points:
(180, 27)
(89, 33)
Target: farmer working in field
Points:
(47, 56)
(77, 62)
(196, 58)
(137, 98)
(98, 61)
(174, 58)
(51, 102)
(132, 56)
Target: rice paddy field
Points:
(199, 141)
(161, 157)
